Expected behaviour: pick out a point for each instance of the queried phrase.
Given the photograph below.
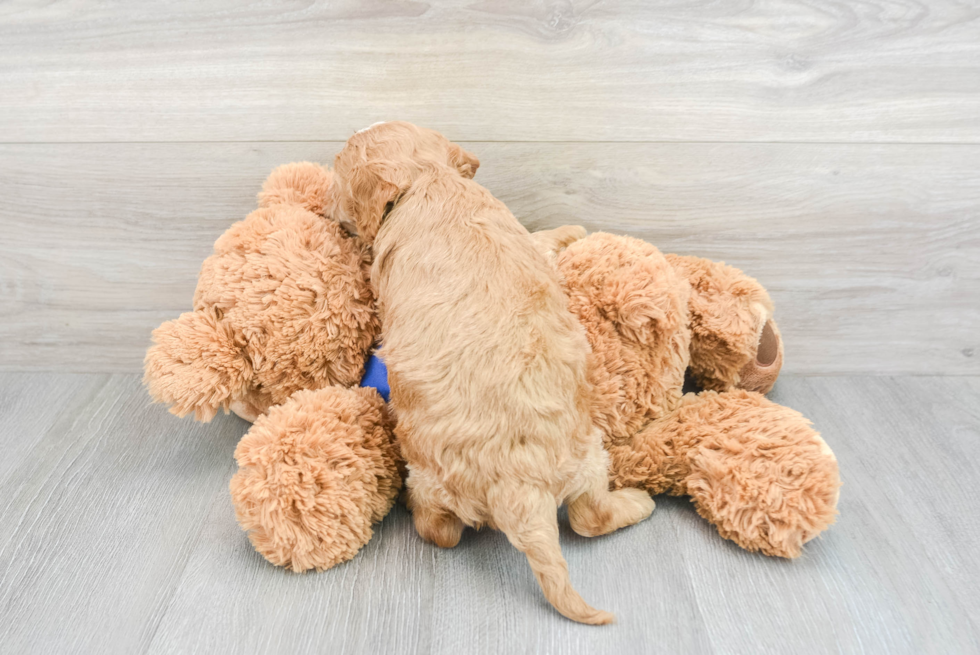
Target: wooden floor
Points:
(119, 536)
(829, 148)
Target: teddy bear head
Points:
(284, 303)
(654, 320)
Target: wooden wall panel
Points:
(575, 70)
(871, 252)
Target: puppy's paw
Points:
(635, 505)
(569, 234)
(595, 515)
(439, 528)
(550, 242)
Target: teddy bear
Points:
(756, 470)
(284, 311)
(284, 325)
(283, 304)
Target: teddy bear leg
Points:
(314, 474)
(434, 522)
(735, 343)
(760, 372)
(757, 470)
(597, 510)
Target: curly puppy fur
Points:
(314, 474)
(283, 304)
(487, 366)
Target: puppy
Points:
(486, 364)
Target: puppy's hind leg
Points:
(597, 510)
(433, 521)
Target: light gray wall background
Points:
(830, 149)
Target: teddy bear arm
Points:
(252, 405)
(196, 366)
(655, 458)
(734, 341)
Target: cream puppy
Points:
(487, 365)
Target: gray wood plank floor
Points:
(119, 536)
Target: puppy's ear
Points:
(374, 188)
(465, 162)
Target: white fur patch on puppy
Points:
(365, 129)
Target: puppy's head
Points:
(380, 163)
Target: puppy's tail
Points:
(529, 518)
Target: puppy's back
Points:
(476, 323)
(487, 370)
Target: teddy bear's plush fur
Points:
(314, 474)
(757, 470)
(283, 304)
(731, 316)
(284, 319)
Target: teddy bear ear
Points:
(644, 300)
(196, 366)
(304, 183)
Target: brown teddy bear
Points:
(754, 469)
(283, 304)
(284, 322)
